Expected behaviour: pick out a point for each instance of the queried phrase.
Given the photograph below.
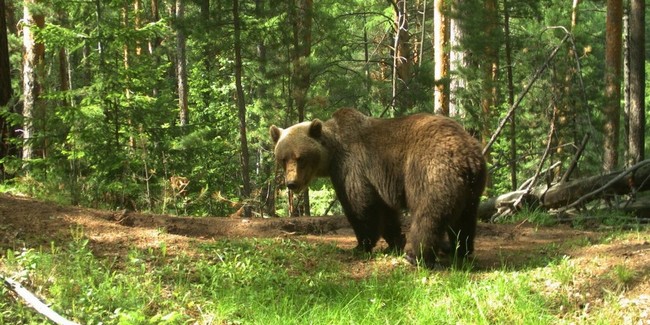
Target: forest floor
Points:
(25, 222)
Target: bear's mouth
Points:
(297, 190)
(295, 187)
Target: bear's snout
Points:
(295, 185)
(293, 178)
(292, 185)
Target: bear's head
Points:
(299, 151)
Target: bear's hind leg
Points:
(391, 230)
(461, 234)
(425, 240)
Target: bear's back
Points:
(434, 136)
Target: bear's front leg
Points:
(367, 234)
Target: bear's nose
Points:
(292, 185)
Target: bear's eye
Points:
(300, 161)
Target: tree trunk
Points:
(6, 91)
(32, 60)
(302, 12)
(566, 105)
(302, 21)
(208, 56)
(181, 64)
(511, 98)
(137, 12)
(612, 109)
(441, 58)
(489, 67)
(241, 109)
(457, 62)
(636, 117)
(269, 190)
(402, 58)
(155, 17)
(155, 42)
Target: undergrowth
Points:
(285, 281)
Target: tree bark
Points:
(441, 58)
(181, 63)
(402, 57)
(636, 117)
(32, 59)
(302, 21)
(6, 91)
(457, 62)
(612, 109)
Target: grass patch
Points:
(276, 281)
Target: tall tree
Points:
(6, 90)
(567, 104)
(33, 56)
(241, 109)
(301, 70)
(181, 63)
(636, 77)
(612, 108)
(457, 59)
(511, 96)
(441, 57)
(402, 57)
(489, 67)
(301, 12)
(5, 70)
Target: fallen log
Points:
(32, 301)
(574, 193)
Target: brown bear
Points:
(424, 163)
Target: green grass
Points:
(274, 281)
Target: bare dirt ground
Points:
(26, 222)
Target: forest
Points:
(138, 183)
(164, 106)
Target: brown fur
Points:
(424, 163)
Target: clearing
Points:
(25, 222)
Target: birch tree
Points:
(32, 58)
(181, 64)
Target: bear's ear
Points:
(315, 129)
(275, 133)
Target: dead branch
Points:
(601, 189)
(549, 139)
(576, 157)
(527, 182)
(521, 96)
(570, 194)
(517, 201)
(34, 302)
